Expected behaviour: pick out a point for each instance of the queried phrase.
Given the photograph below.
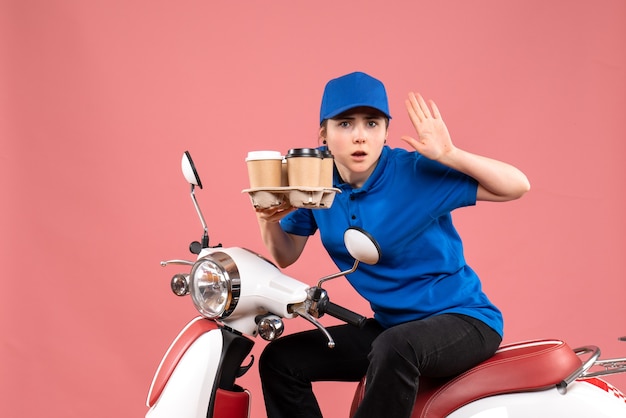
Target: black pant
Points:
(394, 359)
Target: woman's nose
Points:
(359, 136)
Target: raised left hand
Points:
(433, 139)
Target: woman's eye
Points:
(344, 124)
(372, 124)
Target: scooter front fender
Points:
(186, 378)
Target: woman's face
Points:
(356, 139)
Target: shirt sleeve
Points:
(300, 222)
(452, 188)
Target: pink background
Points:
(100, 98)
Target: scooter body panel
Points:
(188, 390)
(269, 291)
(583, 399)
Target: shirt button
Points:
(353, 217)
(351, 197)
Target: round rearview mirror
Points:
(361, 245)
(189, 170)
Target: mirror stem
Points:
(205, 237)
(341, 273)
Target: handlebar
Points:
(343, 314)
(322, 305)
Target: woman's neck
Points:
(355, 179)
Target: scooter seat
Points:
(519, 367)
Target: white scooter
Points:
(239, 293)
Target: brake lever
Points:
(302, 311)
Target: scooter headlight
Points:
(215, 285)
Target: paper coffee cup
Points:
(264, 168)
(284, 175)
(326, 173)
(303, 167)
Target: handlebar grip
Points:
(344, 314)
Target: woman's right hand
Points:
(274, 214)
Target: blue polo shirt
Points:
(405, 205)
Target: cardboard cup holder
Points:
(299, 197)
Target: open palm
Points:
(433, 139)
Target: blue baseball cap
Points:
(353, 90)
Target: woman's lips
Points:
(359, 155)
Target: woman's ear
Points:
(322, 135)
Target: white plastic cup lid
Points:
(264, 155)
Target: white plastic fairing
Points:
(188, 390)
(263, 289)
(582, 400)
